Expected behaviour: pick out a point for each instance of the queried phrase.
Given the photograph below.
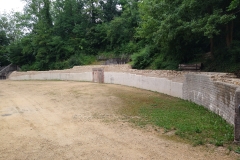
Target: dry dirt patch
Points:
(77, 120)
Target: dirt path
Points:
(76, 120)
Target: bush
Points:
(225, 60)
(162, 62)
(80, 59)
(142, 59)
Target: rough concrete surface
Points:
(216, 96)
(77, 120)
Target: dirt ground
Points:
(77, 120)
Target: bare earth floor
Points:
(77, 120)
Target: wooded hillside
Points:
(156, 34)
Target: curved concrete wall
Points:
(221, 98)
(161, 85)
(216, 96)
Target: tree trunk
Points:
(211, 46)
(227, 36)
(231, 32)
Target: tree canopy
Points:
(157, 34)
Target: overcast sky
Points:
(8, 5)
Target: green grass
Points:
(189, 121)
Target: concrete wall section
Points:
(216, 96)
(85, 76)
(161, 85)
(177, 89)
(237, 116)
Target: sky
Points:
(8, 5)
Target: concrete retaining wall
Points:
(201, 88)
(162, 85)
(48, 75)
(216, 96)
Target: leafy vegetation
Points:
(158, 34)
(186, 120)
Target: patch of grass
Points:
(237, 150)
(190, 121)
(219, 143)
(198, 142)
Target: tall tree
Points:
(181, 28)
(110, 9)
(3, 42)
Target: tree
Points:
(110, 9)
(3, 42)
(160, 33)
(180, 29)
(10, 32)
(121, 30)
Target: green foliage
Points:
(142, 59)
(129, 48)
(237, 150)
(3, 42)
(159, 34)
(109, 10)
(3, 39)
(233, 5)
(121, 30)
(163, 62)
(181, 29)
(226, 60)
(80, 59)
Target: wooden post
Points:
(98, 75)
